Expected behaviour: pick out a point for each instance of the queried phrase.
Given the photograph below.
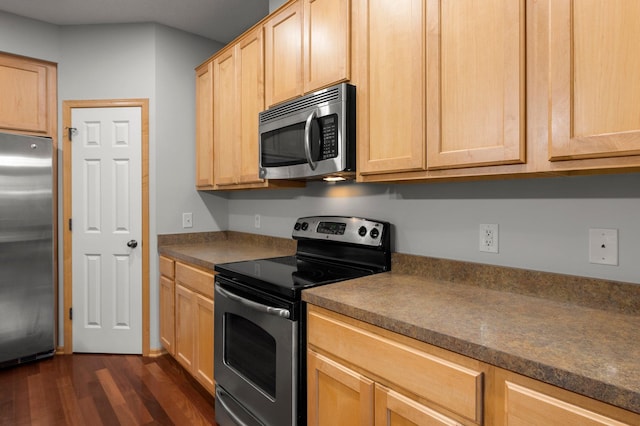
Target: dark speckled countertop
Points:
(208, 249)
(580, 334)
(564, 342)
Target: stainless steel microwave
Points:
(310, 137)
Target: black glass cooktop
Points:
(289, 275)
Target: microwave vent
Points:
(312, 100)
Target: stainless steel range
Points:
(260, 322)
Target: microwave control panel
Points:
(329, 129)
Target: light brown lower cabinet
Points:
(524, 401)
(336, 394)
(340, 396)
(360, 374)
(167, 303)
(186, 319)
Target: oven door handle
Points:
(220, 397)
(279, 312)
(307, 139)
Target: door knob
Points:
(132, 244)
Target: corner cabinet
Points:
(361, 374)
(186, 318)
(238, 98)
(167, 304)
(229, 97)
(204, 126)
(307, 47)
(28, 100)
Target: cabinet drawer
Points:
(524, 406)
(195, 279)
(167, 267)
(448, 384)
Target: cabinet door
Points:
(203, 359)
(524, 406)
(337, 395)
(25, 86)
(283, 55)
(204, 126)
(327, 29)
(594, 84)
(390, 85)
(225, 120)
(184, 338)
(394, 409)
(250, 92)
(475, 77)
(167, 314)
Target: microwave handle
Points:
(307, 139)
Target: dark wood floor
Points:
(94, 390)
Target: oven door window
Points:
(251, 351)
(285, 146)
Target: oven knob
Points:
(362, 231)
(374, 233)
(296, 227)
(305, 226)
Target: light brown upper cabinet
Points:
(441, 84)
(475, 73)
(238, 98)
(28, 95)
(307, 45)
(390, 86)
(204, 126)
(594, 90)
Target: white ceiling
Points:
(220, 20)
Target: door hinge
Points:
(70, 313)
(70, 224)
(72, 131)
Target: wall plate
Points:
(603, 246)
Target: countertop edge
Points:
(592, 388)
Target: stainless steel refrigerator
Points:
(26, 249)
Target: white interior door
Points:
(106, 225)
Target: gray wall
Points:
(134, 61)
(274, 4)
(543, 222)
(27, 37)
(155, 62)
(175, 109)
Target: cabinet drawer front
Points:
(167, 267)
(195, 279)
(525, 406)
(445, 383)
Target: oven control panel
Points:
(352, 230)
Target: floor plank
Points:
(97, 390)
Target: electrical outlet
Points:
(603, 246)
(187, 220)
(256, 221)
(489, 238)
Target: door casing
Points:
(67, 107)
